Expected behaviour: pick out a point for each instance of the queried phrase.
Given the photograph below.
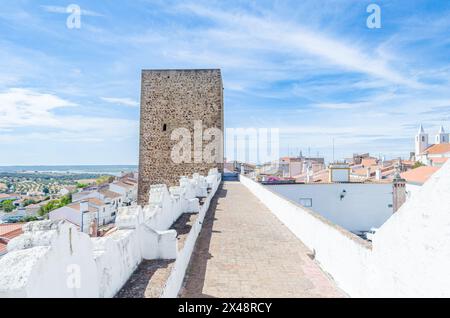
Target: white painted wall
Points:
(411, 190)
(340, 175)
(364, 205)
(40, 262)
(410, 254)
(411, 251)
(66, 213)
(51, 259)
(129, 193)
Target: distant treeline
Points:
(48, 176)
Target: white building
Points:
(111, 196)
(432, 154)
(339, 172)
(127, 189)
(356, 207)
(63, 191)
(82, 213)
(116, 199)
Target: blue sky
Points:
(311, 68)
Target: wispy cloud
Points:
(64, 10)
(30, 114)
(288, 37)
(121, 101)
(26, 108)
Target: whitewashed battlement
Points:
(53, 259)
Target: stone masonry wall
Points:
(175, 99)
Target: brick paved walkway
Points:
(245, 251)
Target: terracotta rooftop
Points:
(95, 201)
(369, 162)
(7, 228)
(129, 180)
(110, 194)
(76, 206)
(419, 175)
(124, 185)
(8, 195)
(360, 171)
(438, 149)
(8, 232)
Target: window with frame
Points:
(306, 202)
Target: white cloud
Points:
(339, 105)
(26, 108)
(264, 32)
(63, 10)
(23, 110)
(121, 101)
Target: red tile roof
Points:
(76, 207)
(124, 185)
(8, 232)
(110, 194)
(366, 162)
(419, 175)
(438, 149)
(11, 227)
(9, 195)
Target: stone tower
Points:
(177, 100)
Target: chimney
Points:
(93, 230)
(304, 166)
(398, 191)
(308, 173)
(378, 174)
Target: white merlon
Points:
(53, 259)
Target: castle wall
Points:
(52, 259)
